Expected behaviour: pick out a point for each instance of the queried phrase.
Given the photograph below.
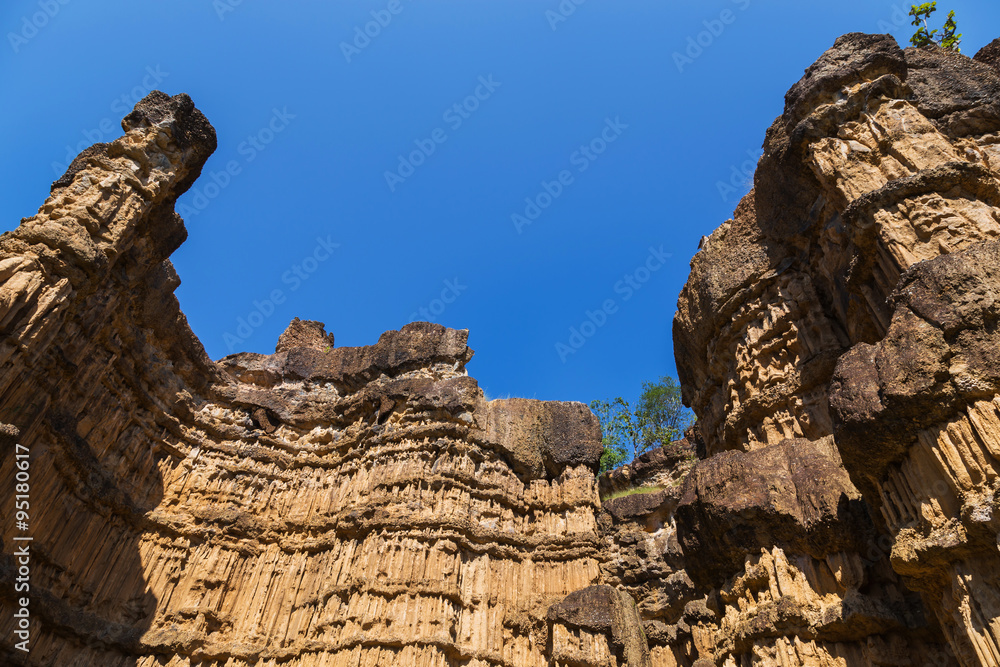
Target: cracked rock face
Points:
(837, 340)
(316, 506)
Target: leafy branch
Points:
(925, 36)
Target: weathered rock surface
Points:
(662, 468)
(599, 625)
(316, 506)
(990, 54)
(349, 507)
(836, 340)
(644, 559)
(919, 425)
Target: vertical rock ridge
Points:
(835, 340)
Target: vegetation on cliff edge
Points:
(656, 420)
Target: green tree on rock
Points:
(615, 453)
(925, 36)
(657, 419)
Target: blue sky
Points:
(520, 169)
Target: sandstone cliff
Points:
(837, 340)
(349, 507)
(318, 506)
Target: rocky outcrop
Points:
(919, 424)
(836, 340)
(607, 629)
(644, 558)
(315, 506)
(659, 468)
(990, 54)
(324, 506)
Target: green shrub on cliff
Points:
(925, 36)
(657, 419)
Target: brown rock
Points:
(880, 176)
(305, 333)
(637, 505)
(319, 505)
(544, 438)
(918, 422)
(606, 613)
(795, 495)
(990, 54)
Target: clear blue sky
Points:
(311, 117)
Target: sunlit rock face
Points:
(837, 340)
(317, 506)
(366, 507)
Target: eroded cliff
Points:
(317, 506)
(325, 506)
(837, 342)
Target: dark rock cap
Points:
(938, 356)
(605, 610)
(188, 126)
(544, 437)
(853, 57)
(990, 54)
(795, 495)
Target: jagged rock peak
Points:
(304, 333)
(990, 54)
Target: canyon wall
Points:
(837, 340)
(364, 507)
(318, 506)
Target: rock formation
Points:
(318, 506)
(365, 507)
(661, 468)
(837, 341)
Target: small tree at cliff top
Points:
(615, 453)
(924, 36)
(657, 419)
